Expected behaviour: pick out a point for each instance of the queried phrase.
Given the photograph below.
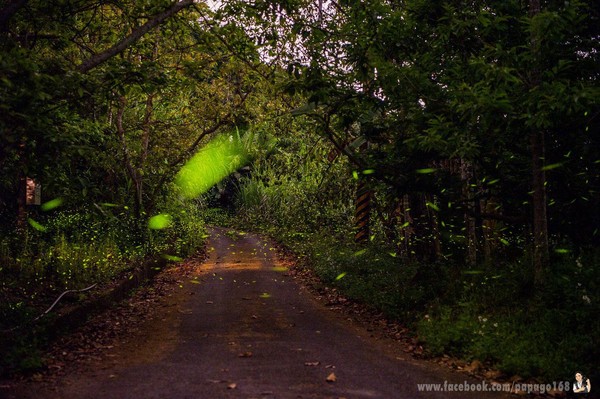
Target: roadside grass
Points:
(491, 314)
(372, 274)
(75, 250)
(499, 319)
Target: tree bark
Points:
(538, 153)
(8, 11)
(407, 224)
(134, 36)
(539, 201)
(146, 126)
(131, 172)
(466, 176)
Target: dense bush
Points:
(74, 249)
(496, 319)
(490, 311)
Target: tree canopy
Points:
(461, 136)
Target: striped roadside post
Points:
(362, 212)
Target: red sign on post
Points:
(34, 192)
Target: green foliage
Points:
(216, 216)
(296, 188)
(185, 236)
(372, 275)
(392, 95)
(25, 355)
(75, 250)
(496, 321)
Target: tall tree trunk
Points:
(131, 171)
(435, 251)
(406, 225)
(146, 126)
(539, 201)
(422, 243)
(22, 191)
(466, 176)
(490, 225)
(21, 203)
(538, 152)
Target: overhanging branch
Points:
(134, 36)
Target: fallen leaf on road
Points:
(209, 302)
(312, 364)
(232, 386)
(331, 378)
(474, 367)
(245, 354)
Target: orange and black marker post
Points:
(363, 212)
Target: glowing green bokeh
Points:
(213, 163)
(552, 166)
(172, 258)
(432, 206)
(36, 225)
(55, 203)
(159, 222)
(360, 252)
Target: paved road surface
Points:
(249, 331)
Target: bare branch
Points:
(134, 36)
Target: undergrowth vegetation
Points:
(495, 318)
(487, 315)
(70, 250)
(489, 311)
(462, 136)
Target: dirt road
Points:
(242, 328)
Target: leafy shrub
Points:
(549, 335)
(372, 274)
